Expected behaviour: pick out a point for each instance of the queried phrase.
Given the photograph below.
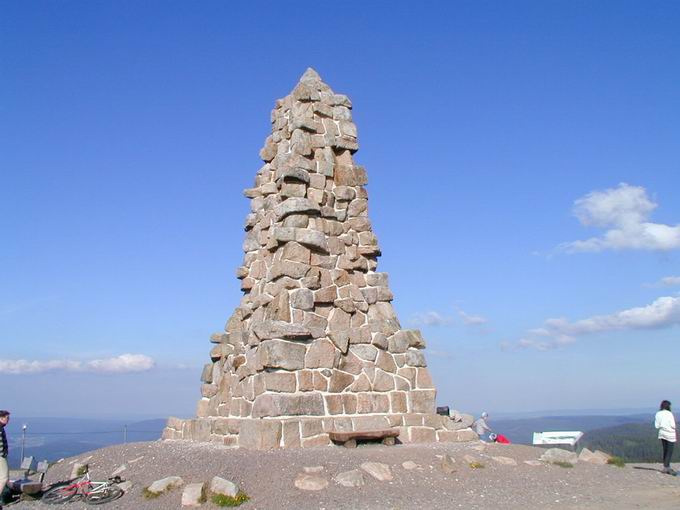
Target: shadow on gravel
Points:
(648, 469)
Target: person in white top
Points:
(665, 422)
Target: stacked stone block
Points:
(315, 344)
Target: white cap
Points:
(485, 414)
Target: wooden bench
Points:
(26, 486)
(350, 439)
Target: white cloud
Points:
(666, 281)
(119, 364)
(433, 318)
(624, 212)
(430, 319)
(471, 320)
(662, 313)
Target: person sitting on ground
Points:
(665, 422)
(480, 426)
(499, 438)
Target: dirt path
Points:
(268, 478)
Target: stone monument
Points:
(315, 345)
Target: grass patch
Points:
(223, 500)
(82, 470)
(563, 464)
(476, 465)
(616, 461)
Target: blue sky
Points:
(496, 135)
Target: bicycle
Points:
(92, 492)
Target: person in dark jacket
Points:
(4, 450)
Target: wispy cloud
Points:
(119, 364)
(666, 281)
(8, 310)
(433, 318)
(623, 212)
(664, 312)
(471, 320)
(430, 318)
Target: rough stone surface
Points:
(559, 455)
(312, 469)
(222, 486)
(506, 461)
(470, 459)
(310, 482)
(315, 333)
(119, 470)
(305, 404)
(353, 478)
(260, 435)
(78, 469)
(448, 464)
(378, 470)
(268, 478)
(598, 457)
(126, 486)
(165, 484)
(282, 354)
(193, 494)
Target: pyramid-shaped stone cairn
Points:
(315, 345)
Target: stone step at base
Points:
(301, 432)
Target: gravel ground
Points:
(268, 478)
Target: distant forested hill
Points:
(635, 442)
(521, 430)
(632, 437)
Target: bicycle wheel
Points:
(103, 495)
(59, 493)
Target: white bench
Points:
(564, 437)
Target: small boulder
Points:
(467, 419)
(598, 457)
(165, 484)
(409, 465)
(469, 459)
(79, 469)
(448, 464)
(533, 463)
(506, 461)
(125, 486)
(310, 470)
(193, 494)
(353, 478)
(118, 470)
(225, 487)
(603, 457)
(559, 455)
(378, 470)
(308, 482)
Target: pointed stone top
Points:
(310, 75)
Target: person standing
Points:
(4, 450)
(480, 426)
(665, 422)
